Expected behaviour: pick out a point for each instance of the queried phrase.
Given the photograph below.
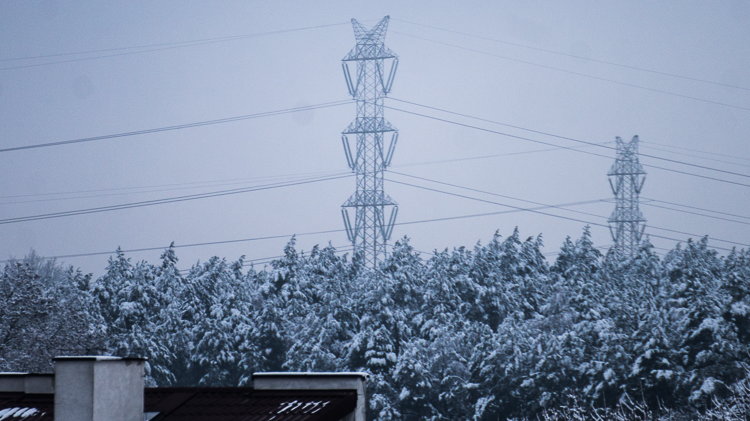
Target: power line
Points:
(494, 213)
(594, 60)
(161, 201)
(694, 207)
(180, 126)
(205, 243)
(649, 145)
(338, 103)
(514, 209)
(534, 210)
(698, 235)
(229, 181)
(545, 205)
(269, 259)
(556, 253)
(237, 180)
(572, 139)
(697, 214)
(742, 158)
(560, 207)
(500, 123)
(140, 190)
(587, 202)
(225, 182)
(723, 161)
(266, 260)
(559, 146)
(301, 234)
(476, 157)
(579, 211)
(572, 72)
(331, 231)
(147, 48)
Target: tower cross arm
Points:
(370, 42)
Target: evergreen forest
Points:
(488, 332)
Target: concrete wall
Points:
(318, 381)
(74, 390)
(12, 382)
(26, 382)
(98, 389)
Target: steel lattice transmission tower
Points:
(626, 177)
(369, 69)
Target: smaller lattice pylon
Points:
(626, 178)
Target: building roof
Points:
(205, 403)
(17, 406)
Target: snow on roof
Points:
(16, 413)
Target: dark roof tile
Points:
(246, 404)
(19, 406)
(207, 403)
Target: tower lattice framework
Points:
(369, 69)
(626, 177)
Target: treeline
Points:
(489, 332)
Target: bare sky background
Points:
(532, 64)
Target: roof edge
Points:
(289, 374)
(96, 358)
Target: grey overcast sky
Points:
(539, 65)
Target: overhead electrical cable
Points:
(476, 157)
(587, 202)
(495, 213)
(225, 182)
(262, 260)
(536, 210)
(147, 48)
(697, 208)
(238, 180)
(693, 155)
(579, 57)
(96, 193)
(533, 210)
(557, 252)
(269, 259)
(188, 245)
(300, 234)
(183, 186)
(581, 74)
(721, 218)
(736, 243)
(178, 126)
(161, 201)
(513, 209)
(337, 103)
(487, 120)
(205, 183)
(512, 136)
(570, 210)
(741, 158)
(572, 139)
(648, 145)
